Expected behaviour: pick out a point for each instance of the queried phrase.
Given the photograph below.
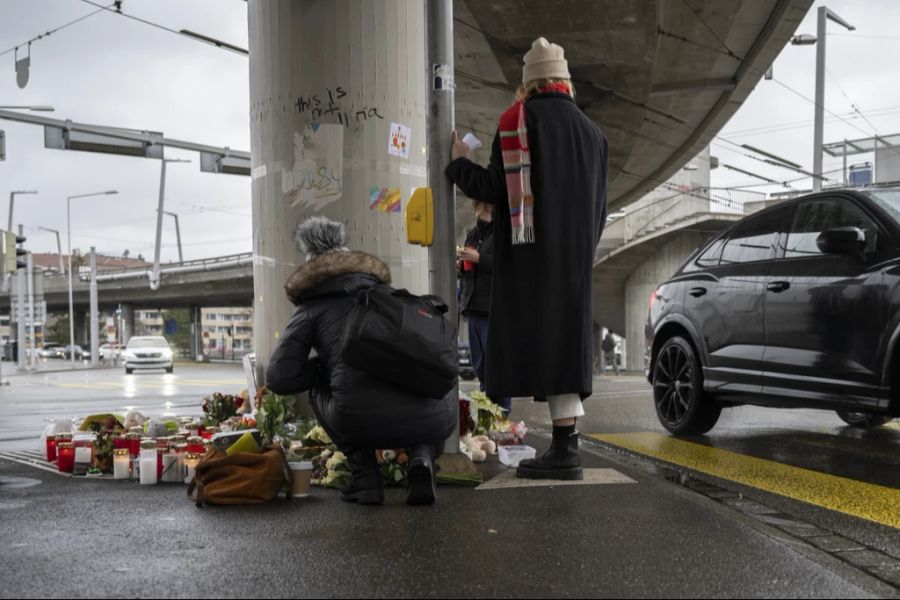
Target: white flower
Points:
(336, 459)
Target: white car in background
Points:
(148, 352)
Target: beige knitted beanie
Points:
(545, 61)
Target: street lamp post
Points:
(62, 268)
(177, 235)
(12, 203)
(824, 15)
(69, 237)
(40, 108)
(154, 276)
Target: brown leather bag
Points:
(242, 478)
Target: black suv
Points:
(795, 306)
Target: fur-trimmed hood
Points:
(308, 279)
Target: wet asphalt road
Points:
(702, 536)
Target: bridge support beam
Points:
(127, 323)
(329, 84)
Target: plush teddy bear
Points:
(478, 447)
(134, 419)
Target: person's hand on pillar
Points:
(458, 149)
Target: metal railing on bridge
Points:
(677, 205)
(198, 265)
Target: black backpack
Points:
(402, 339)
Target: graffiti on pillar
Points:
(384, 199)
(315, 180)
(329, 104)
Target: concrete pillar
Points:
(127, 320)
(81, 328)
(327, 81)
(196, 332)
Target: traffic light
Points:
(12, 252)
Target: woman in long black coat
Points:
(540, 334)
(359, 412)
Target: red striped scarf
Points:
(517, 166)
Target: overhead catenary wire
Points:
(181, 33)
(55, 29)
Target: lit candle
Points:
(190, 462)
(148, 462)
(50, 453)
(121, 463)
(65, 457)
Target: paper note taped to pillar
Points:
(399, 142)
(316, 178)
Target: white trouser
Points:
(565, 406)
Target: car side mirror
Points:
(845, 241)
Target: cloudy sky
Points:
(114, 71)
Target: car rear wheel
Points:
(681, 405)
(864, 420)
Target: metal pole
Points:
(820, 99)
(31, 314)
(154, 278)
(439, 127)
(845, 163)
(71, 302)
(95, 312)
(20, 296)
(178, 235)
(62, 268)
(12, 200)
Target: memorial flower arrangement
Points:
(220, 407)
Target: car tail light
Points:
(653, 297)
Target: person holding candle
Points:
(547, 177)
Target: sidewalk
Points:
(644, 538)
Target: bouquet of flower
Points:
(489, 415)
(273, 411)
(393, 465)
(220, 407)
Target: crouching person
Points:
(359, 412)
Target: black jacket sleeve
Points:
(289, 370)
(480, 183)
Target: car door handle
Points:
(697, 292)
(778, 286)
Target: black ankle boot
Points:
(562, 461)
(420, 487)
(366, 485)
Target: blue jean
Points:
(478, 337)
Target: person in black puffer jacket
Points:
(359, 412)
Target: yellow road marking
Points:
(856, 498)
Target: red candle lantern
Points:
(65, 457)
(50, 453)
(134, 441)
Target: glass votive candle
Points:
(50, 449)
(134, 440)
(191, 461)
(65, 457)
(149, 457)
(195, 444)
(121, 463)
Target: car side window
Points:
(754, 240)
(821, 215)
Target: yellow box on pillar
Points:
(420, 217)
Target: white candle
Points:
(148, 462)
(121, 464)
(190, 463)
(171, 470)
